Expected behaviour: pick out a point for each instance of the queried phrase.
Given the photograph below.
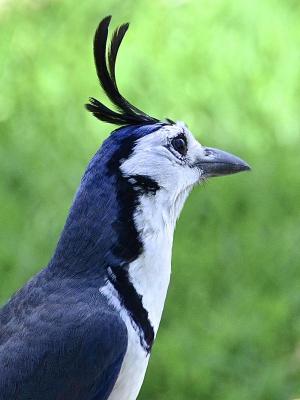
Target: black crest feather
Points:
(105, 61)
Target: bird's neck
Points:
(120, 231)
(141, 286)
(125, 237)
(155, 220)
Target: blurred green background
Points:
(231, 70)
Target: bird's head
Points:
(173, 159)
(164, 156)
(137, 182)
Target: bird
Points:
(84, 326)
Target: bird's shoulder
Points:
(56, 335)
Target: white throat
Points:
(155, 220)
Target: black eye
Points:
(180, 145)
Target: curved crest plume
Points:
(126, 114)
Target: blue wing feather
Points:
(60, 341)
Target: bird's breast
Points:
(134, 365)
(148, 277)
(138, 292)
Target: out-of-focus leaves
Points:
(231, 70)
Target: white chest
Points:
(150, 276)
(133, 368)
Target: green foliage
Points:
(231, 70)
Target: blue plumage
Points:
(60, 330)
(99, 230)
(83, 328)
(59, 340)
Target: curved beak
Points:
(215, 162)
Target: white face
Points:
(173, 158)
(168, 156)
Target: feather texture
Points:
(127, 113)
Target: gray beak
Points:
(216, 162)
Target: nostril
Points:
(207, 152)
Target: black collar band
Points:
(132, 301)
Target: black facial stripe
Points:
(144, 184)
(129, 189)
(129, 247)
(132, 301)
(129, 244)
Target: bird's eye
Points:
(180, 145)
